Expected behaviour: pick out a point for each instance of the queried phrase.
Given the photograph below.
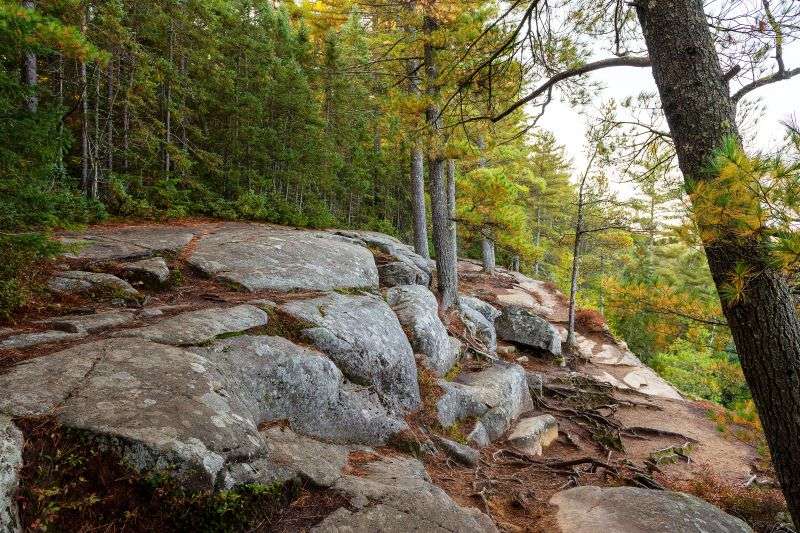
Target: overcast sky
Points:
(781, 101)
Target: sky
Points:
(781, 101)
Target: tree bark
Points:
(451, 202)
(573, 283)
(763, 321)
(443, 237)
(420, 223)
(30, 75)
(419, 215)
(487, 252)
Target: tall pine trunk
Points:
(763, 321)
(84, 81)
(30, 75)
(443, 235)
(419, 216)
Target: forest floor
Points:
(607, 436)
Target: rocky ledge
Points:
(316, 354)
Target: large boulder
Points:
(91, 322)
(520, 325)
(362, 335)
(196, 413)
(497, 396)
(532, 435)
(202, 326)
(125, 243)
(153, 271)
(415, 266)
(479, 317)
(28, 340)
(284, 381)
(262, 258)
(78, 282)
(395, 495)
(11, 443)
(418, 311)
(635, 510)
(401, 273)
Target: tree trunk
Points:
(487, 252)
(29, 72)
(764, 322)
(419, 221)
(419, 215)
(538, 241)
(95, 186)
(515, 263)
(110, 119)
(443, 236)
(573, 284)
(451, 202)
(84, 124)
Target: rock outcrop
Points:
(263, 258)
(202, 326)
(532, 435)
(479, 317)
(77, 282)
(520, 325)
(11, 443)
(28, 340)
(635, 510)
(90, 323)
(196, 412)
(395, 495)
(362, 335)
(496, 396)
(406, 267)
(137, 242)
(418, 311)
(153, 272)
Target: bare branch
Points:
(768, 80)
(571, 73)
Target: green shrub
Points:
(23, 258)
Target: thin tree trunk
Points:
(62, 171)
(573, 283)
(515, 263)
(168, 107)
(419, 220)
(84, 126)
(110, 119)
(443, 237)
(576, 256)
(96, 144)
(487, 242)
(487, 253)
(451, 202)
(536, 267)
(763, 321)
(30, 75)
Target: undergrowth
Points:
(68, 483)
(763, 508)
